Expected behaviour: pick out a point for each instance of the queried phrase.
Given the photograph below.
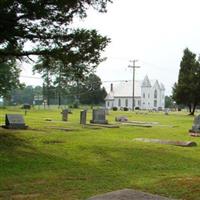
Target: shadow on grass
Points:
(10, 141)
(85, 170)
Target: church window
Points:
(139, 103)
(119, 102)
(126, 102)
(155, 94)
(108, 103)
(148, 95)
(155, 103)
(143, 95)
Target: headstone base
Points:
(99, 121)
(15, 127)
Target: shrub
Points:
(137, 108)
(76, 104)
(125, 109)
(114, 108)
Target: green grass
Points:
(46, 163)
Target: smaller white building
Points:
(149, 94)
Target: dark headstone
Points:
(64, 115)
(26, 106)
(14, 121)
(99, 116)
(83, 115)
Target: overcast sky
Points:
(154, 32)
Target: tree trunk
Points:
(190, 108)
(193, 109)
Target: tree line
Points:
(88, 92)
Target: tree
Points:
(90, 90)
(169, 102)
(186, 90)
(47, 25)
(9, 77)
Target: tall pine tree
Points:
(186, 90)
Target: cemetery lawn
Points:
(44, 162)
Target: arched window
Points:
(143, 95)
(126, 102)
(119, 102)
(155, 94)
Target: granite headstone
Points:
(99, 116)
(14, 121)
(83, 116)
(64, 115)
(196, 125)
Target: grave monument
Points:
(64, 115)
(14, 121)
(99, 116)
(195, 131)
(83, 115)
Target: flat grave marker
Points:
(171, 142)
(128, 194)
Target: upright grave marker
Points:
(14, 121)
(64, 115)
(99, 116)
(83, 117)
(195, 131)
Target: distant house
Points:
(149, 94)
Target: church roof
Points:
(125, 89)
(146, 82)
(162, 87)
(110, 96)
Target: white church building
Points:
(148, 95)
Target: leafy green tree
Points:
(47, 25)
(186, 90)
(90, 90)
(9, 77)
(169, 102)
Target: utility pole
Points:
(133, 67)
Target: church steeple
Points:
(146, 82)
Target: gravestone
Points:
(166, 111)
(121, 119)
(83, 115)
(171, 142)
(128, 194)
(99, 116)
(64, 115)
(196, 125)
(14, 121)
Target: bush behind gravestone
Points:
(125, 109)
(114, 108)
(26, 106)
